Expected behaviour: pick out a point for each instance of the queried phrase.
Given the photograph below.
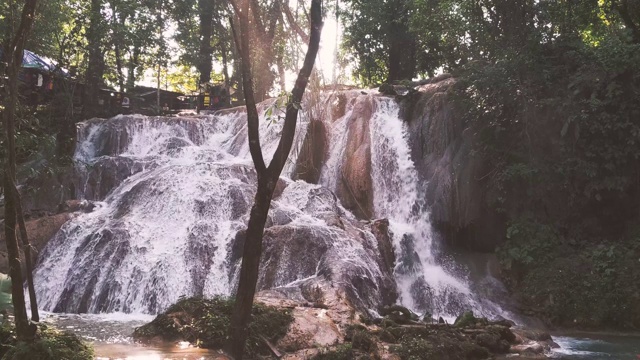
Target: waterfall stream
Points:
(173, 194)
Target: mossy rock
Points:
(342, 352)
(440, 347)
(205, 323)
(385, 336)
(363, 341)
(49, 344)
(465, 320)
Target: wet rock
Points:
(106, 174)
(311, 328)
(313, 153)
(40, 231)
(290, 253)
(281, 185)
(339, 107)
(441, 147)
(380, 229)
(355, 185)
(75, 206)
(528, 349)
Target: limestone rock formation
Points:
(441, 145)
(354, 186)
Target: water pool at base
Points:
(585, 346)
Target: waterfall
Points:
(172, 200)
(425, 284)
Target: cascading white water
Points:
(174, 195)
(424, 285)
(168, 227)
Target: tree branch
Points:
(289, 130)
(293, 23)
(253, 119)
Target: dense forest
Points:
(546, 101)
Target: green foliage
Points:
(50, 344)
(528, 243)
(205, 322)
(594, 287)
(373, 30)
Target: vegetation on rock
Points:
(205, 323)
(471, 338)
(48, 344)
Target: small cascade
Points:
(173, 197)
(425, 284)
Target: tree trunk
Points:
(133, 64)
(267, 176)
(35, 315)
(225, 63)
(118, 55)
(13, 57)
(95, 68)
(282, 73)
(205, 56)
(402, 45)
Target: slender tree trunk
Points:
(158, 91)
(35, 314)
(402, 45)
(236, 76)
(13, 56)
(335, 50)
(205, 56)
(116, 49)
(95, 68)
(267, 176)
(117, 24)
(133, 65)
(225, 63)
(282, 74)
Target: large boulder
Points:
(39, 231)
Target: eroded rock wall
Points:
(442, 150)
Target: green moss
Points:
(386, 336)
(363, 341)
(205, 322)
(466, 319)
(50, 344)
(342, 352)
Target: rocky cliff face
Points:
(442, 149)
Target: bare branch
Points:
(293, 23)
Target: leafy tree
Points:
(267, 175)
(378, 33)
(11, 62)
